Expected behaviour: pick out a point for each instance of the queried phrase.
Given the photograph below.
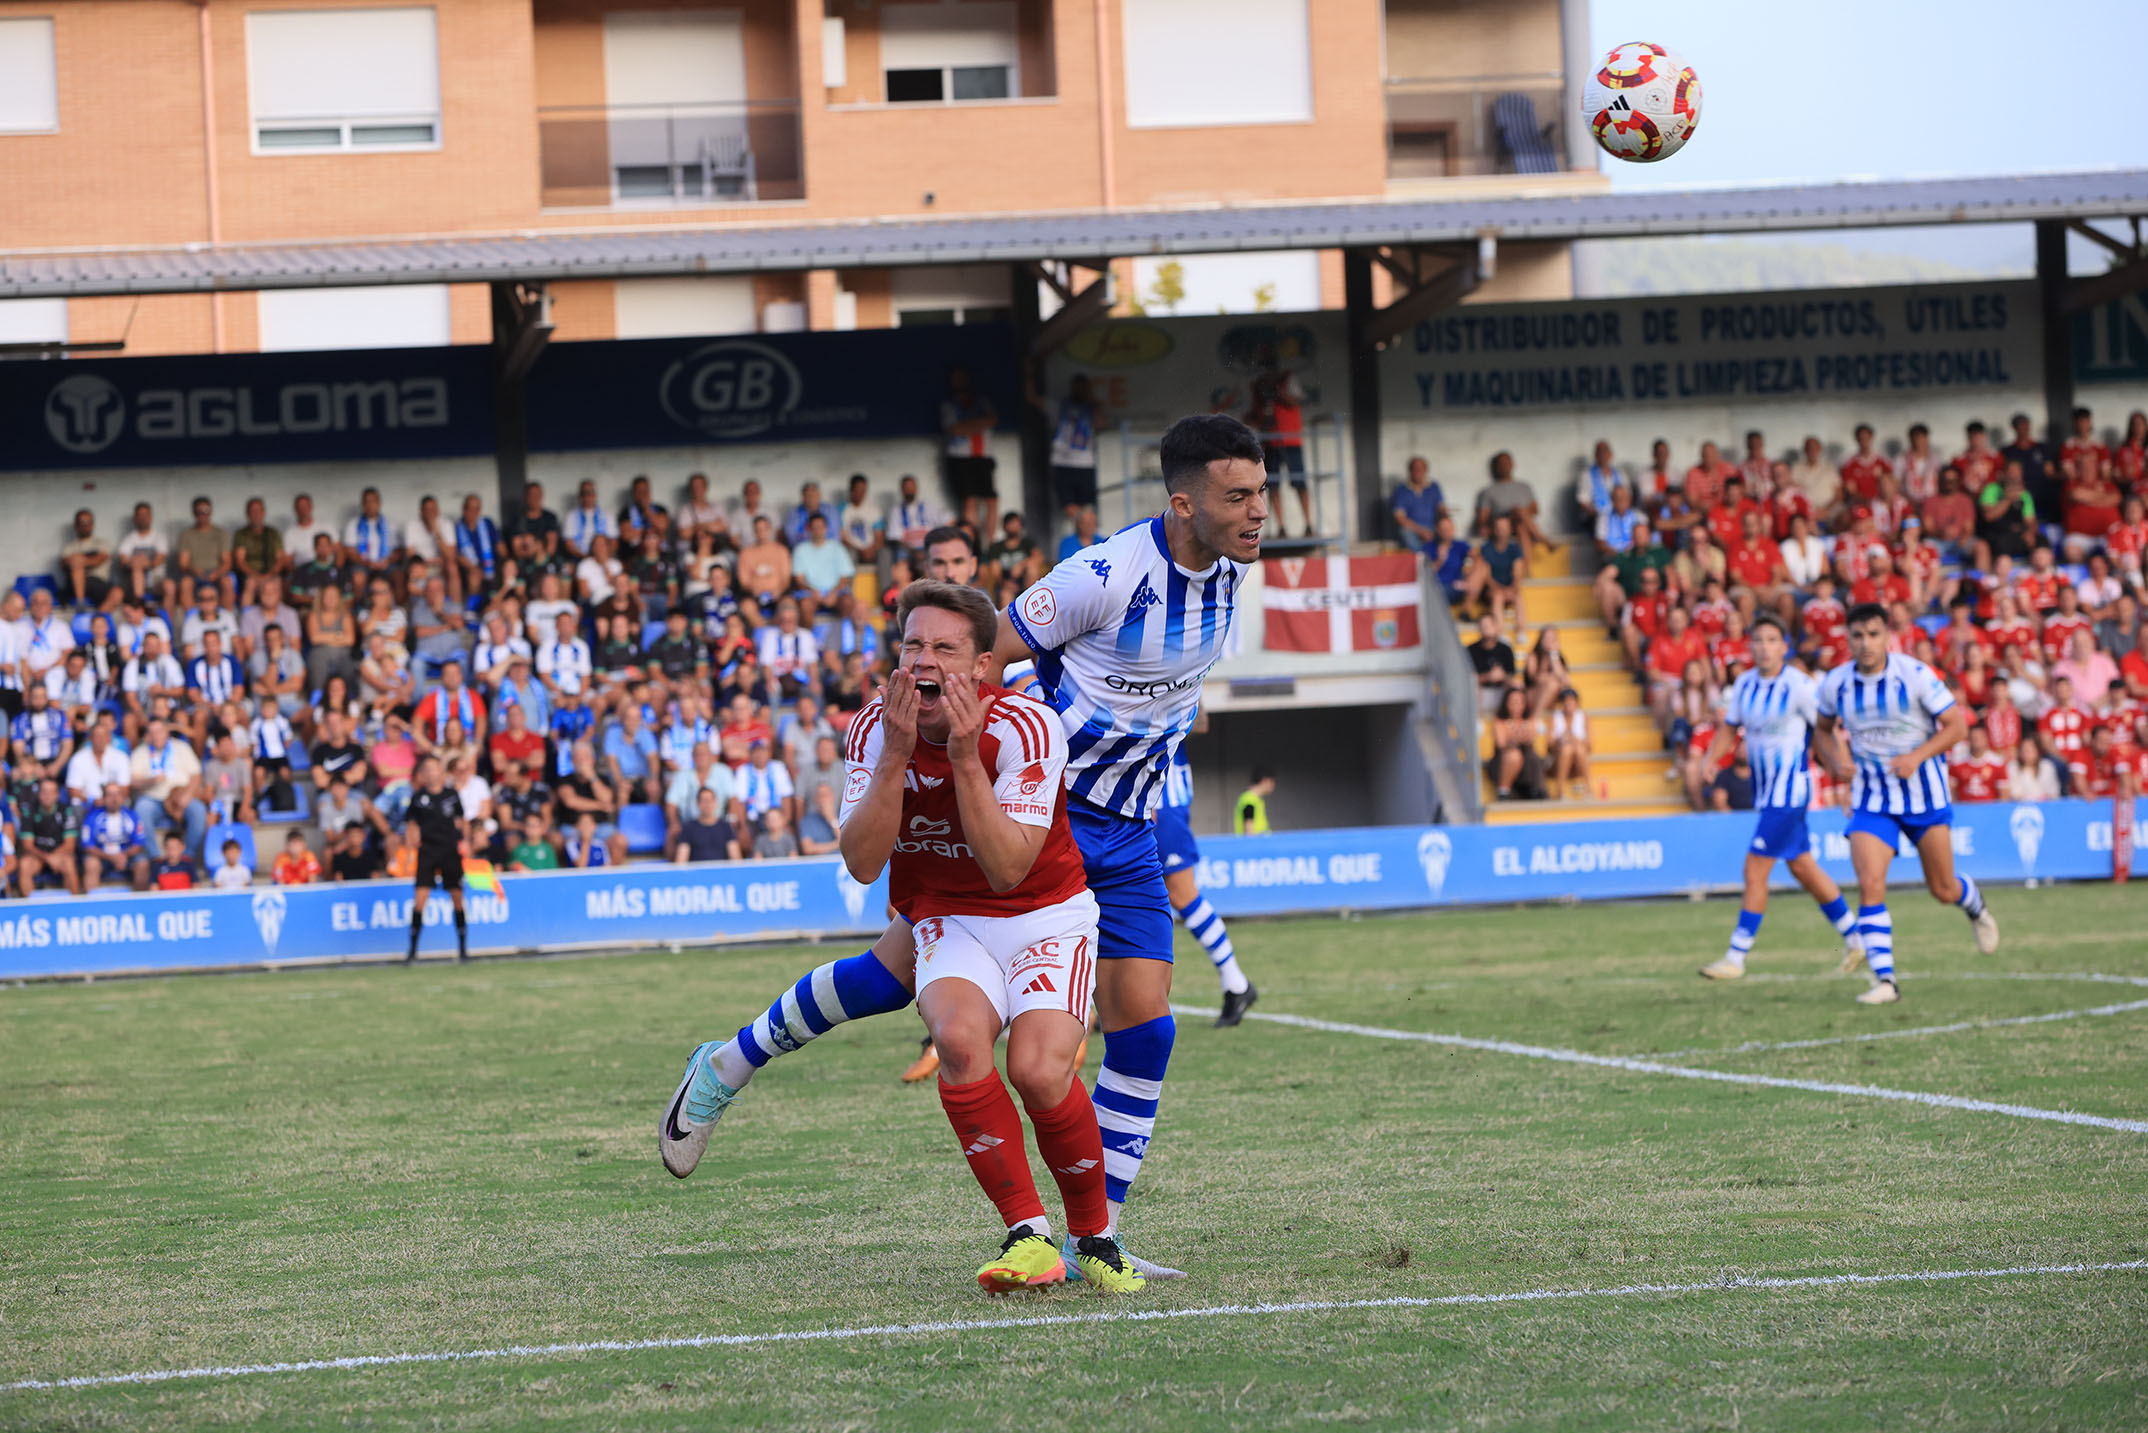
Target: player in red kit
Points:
(957, 787)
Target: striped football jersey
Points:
(1775, 713)
(1887, 715)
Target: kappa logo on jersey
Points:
(1039, 606)
(926, 826)
(1032, 778)
(1101, 568)
(1143, 599)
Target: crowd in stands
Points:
(2014, 570)
(599, 682)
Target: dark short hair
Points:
(964, 602)
(950, 534)
(1976, 425)
(1866, 612)
(1769, 619)
(1260, 774)
(1195, 441)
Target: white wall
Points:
(682, 308)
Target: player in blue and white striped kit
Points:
(1181, 855)
(1901, 721)
(1774, 704)
(1122, 635)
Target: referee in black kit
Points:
(436, 815)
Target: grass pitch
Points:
(280, 1167)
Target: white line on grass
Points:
(1690, 1072)
(1115, 1316)
(1753, 1045)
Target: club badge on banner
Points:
(1329, 604)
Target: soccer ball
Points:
(1642, 104)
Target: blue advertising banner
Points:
(763, 388)
(622, 906)
(1370, 868)
(242, 408)
(1396, 867)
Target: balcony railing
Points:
(1441, 128)
(671, 155)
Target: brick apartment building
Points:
(160, 122)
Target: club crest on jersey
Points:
(1143, 599)
(1032, 778)
(1039, 607)
(911, 781)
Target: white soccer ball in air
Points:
(1642, 103)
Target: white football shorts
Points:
(1040, 960)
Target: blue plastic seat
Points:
(79, 624)
(1515, 114)
(212, 845)
(28, 584)
(643, 826)
(650, 631)
(296, 817)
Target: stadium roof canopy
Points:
(551, 254)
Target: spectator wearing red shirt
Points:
(1646, 618)
(2112, 769)
(1789, 500)
(1960, 634)
(1758, 472)
(2082, 444)
(2133, 674)
(2090, 503)
(2060, 626)
(1919, 561)
(742, 727)
(1979, 462)
(1881, 584)
(1667, 658)
(1981, 776)
(2008, 628)
(1705, 479)
(1950, 514)
(1726, 519)
(1918, 468)
(1732, 652)
(1756, 560)
(516, 745)
(1712, 611)
(1863, 469)
(1979, 678)
(2003, 720)
(2065, 729)
(1824, 622)
(2039, 587)
(1889, 508)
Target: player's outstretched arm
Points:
(872, 791)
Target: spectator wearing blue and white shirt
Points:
(479, 548)
(47, 637)
(763, 785)
(586, 522)
(1900, 722)
(1592, 490)
(789, 653)
(113, 840)
(809, 506)
(498, 647)
(41, 729)
(564, 663)
(914, 517)
(1618, 523)
(860, 525)
(369, 538)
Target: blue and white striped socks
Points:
(1841, 917)
(1971, 900)
(1742, 938)
(1875, 926)
(841, 990)
(1206, 926)
(1127, 1089)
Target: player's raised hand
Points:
(965, 715)
(898, 718)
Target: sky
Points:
(1897, 89)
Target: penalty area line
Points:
(1692, 1072)
(1754, 1046)
(1727, 1284)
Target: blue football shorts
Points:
(1119, 855)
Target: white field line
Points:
(1753, 1045)
(1905, 976)
(1690, 1072)
(1117, 1316)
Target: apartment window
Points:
(947, 53)
(394, 316)
(33, 321)
(677, 117)
(683, 308)
(29, 83)
(343, 80)
(1217, 62)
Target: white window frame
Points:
(51, 57)
(344, 134)
(1012, 63)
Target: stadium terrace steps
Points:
(1559, 599)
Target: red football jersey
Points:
(2058, 634)
(1732, 654)
(1979, 778)
(2003, 725)
(1861, 475)
(2038, 591)
(1710, 618)
(2106, 769)
(1823, 618)
(1648, 615)
(2018, 633)
(933, 871)
(2066, 728)
(1754, 564)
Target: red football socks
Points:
(990, 1133)
(1073, 1149)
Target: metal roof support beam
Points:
(2051, 296)
(2117, 246)
(1365, 417)
(2120, 283)
(1465, 270)
(521, 326)
(1080, 309)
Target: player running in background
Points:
(1181, 855)
(1122, 634)
(1774, 704)
(957, 788)
(1901, 721)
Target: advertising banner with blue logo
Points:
(622, 906)
(765, 388)
(1396, 867)
(244, 408)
